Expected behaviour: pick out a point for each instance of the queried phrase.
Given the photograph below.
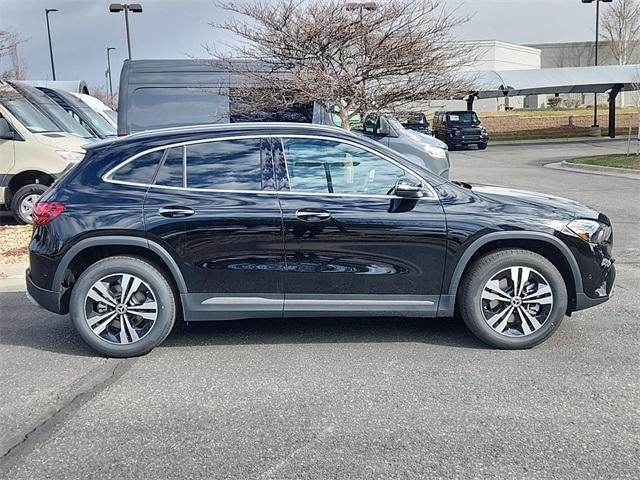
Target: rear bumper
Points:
(47, 299)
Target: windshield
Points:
(396, 124)
(112, 114)
(30, 117)
(95, 121)
(465, 118)
(52, 110)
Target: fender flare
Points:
(111, 240)
(511, 235)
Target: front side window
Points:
(226, 165)
(326, 166)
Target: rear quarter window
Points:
(139, 170)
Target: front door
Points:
(214, 204)
(351, 245)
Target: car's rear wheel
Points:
(24, 200)
(123, 306)
(513, 298)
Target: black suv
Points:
(234, 221)
(460, 129)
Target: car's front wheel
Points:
(513, 298)
(123, 306)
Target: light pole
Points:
(109, 70)
(133, 8)
(47, 11)
(595, 95)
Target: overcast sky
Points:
(82, 29)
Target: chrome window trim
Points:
(107, 176)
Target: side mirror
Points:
(408, 188)
(6, 133)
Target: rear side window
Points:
(226, 164)
(140, 170)
(170, 173)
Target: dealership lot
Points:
(315, 398)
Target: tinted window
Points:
(170, 107)
(462, 117)
(141, 170)
(324, 166)
(170, 173)
(226, 165)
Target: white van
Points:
(34, 151)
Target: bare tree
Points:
(353, 59)
(621, 27)
(102, 94)
(9, 42)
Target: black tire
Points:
(158, 284)
(20, 196)
(483, 270)
(482, 146)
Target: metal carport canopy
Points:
(550, 81)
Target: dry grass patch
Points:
(14, 242)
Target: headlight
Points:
(589, 230)
(435, 152)
(70, 156)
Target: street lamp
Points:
(595, 95)
(47, 11)
(109, 70)
(133, 8)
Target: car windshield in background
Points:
(112, 114)
(29, 116)
(464, 118)
(96, 122)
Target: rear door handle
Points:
(175, 212)
(313, 215)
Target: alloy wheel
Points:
(26, 206)
(121, 308)
(517, 301)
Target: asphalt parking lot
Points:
(344, 398)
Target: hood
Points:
(423, 138)
(61, 141)
(554, 206)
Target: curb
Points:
(595, 170)
(14, 280)
(556, 140)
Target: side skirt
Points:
(203, 306)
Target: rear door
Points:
(351, 245)
(214, 205)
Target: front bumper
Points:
(462, 140)
(600, 295)
(47, 299)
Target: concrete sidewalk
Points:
(12, 277)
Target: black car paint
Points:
(239, 244)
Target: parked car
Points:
(169, 93)
(422, 149)
(270, 219)
(460, 129)
(105, 111)
(415, 121)
(34, 151)
(80, 112)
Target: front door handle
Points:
(313, 215)
(175, 212)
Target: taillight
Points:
(44, 212)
